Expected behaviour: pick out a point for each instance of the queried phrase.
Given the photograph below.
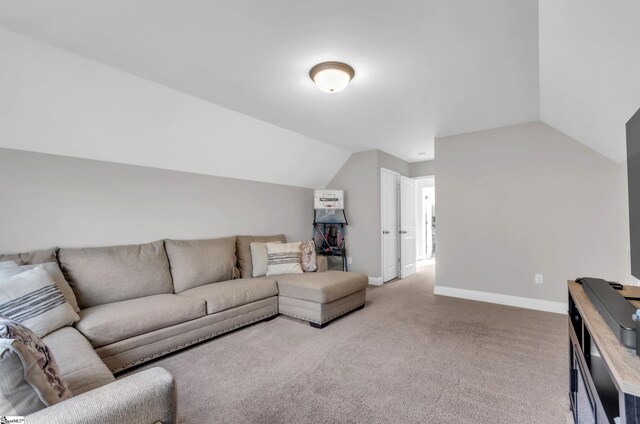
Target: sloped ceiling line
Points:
(57, 102)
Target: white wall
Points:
(53, 101)
(48, 200)
(527, 199)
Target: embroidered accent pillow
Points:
(29, 376)
(54, 271)
(259, 258)
(34, 300)
(309, 262)
(283, 258)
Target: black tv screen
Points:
(633, 176)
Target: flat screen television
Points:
(633, 176)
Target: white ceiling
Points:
(424, 68)
(590, 70)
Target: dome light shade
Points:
(331, 77)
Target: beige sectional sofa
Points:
(140, 302)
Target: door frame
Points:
(397, 229)
(430, 181)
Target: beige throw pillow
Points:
(283, 258)
(243, 251)
(259, 258)
(29, 376)
(54, 271)
(34, 300)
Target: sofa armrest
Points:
(147, 397)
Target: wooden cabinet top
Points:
(623, 362)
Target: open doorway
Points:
(426, 220)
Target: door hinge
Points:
(573, 380)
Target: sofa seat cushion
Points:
(230, 294)
(80, 366)
(112, 322)
(321, 287)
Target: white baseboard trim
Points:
(375, 281)
(503, 299)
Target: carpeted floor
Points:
(407, 357)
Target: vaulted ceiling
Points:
(424, 68)
(590, 70)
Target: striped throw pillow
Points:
(283, 258)
(34, 300)
(54, 271)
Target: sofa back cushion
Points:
(102, 275)
(243, 251)
(31, 258)
(198, 262)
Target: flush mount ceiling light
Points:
(331, 77)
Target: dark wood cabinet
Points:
(604, 383)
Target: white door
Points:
(389, 226)
(407, 226)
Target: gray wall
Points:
(49, 200)
(527, 199)
(360, 179)
(422, 169)
(357, 178)
(385, 160)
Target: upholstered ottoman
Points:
(319, 297)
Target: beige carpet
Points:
(407, 357)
